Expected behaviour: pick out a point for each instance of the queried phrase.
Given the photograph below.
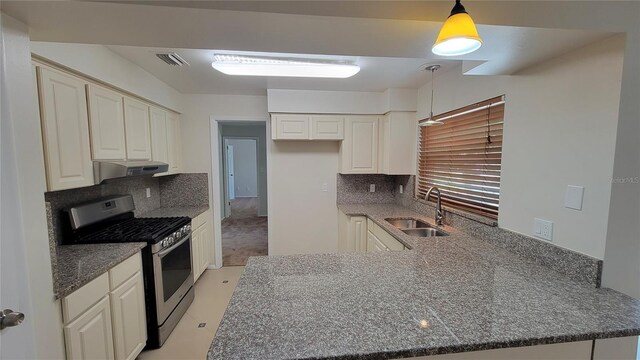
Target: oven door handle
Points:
(164, 252)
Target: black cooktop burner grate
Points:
(149, 230)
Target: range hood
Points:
(104, 170)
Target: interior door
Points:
(231, 180)
(15, 342)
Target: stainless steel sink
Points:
(424, 232)
(414, 227)
(408, 223)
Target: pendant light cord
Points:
(431, 112)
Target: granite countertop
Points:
(190, 211)
(445, 295)
(79, 264)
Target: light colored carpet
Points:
(244, 233)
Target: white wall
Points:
(23, 221)
(302, 218)
(99, 62)
(245, 166)
(200, 141)
(560, 125)
(341, 102)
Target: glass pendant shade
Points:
(458, 36)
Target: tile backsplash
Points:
(166, 191)
(354, 189)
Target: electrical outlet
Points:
(148, 192)
(372, 187)
(543, 229)
(401, 189)
(324, 187)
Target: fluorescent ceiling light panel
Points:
(288, 67)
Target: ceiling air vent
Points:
(172, 59)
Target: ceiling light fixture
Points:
(458, 35)
(430, 121)
(288, 67)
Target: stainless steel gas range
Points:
(168, 278)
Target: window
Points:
(463, 157)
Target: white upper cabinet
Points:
(359, 149)
(138, 133)
(159, 146)
(174, 144)
(106, 120)
(307, 127)
(327, 127)
(398, 139)
(290, 127)
(65, 130)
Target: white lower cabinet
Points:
(106, 318)
(90, 335)
(129, 318)
(360, 234)
(374, 244)
(383, 240)
(201, 244)
(353, 233)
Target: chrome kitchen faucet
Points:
(439, 216)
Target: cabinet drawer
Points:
(125, 270)
(199, 220)
(387, 239)
(82, 299)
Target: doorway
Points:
(243, 179)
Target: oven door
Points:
(172, 275)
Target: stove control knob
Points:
(163, 243)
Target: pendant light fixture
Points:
(458, 35)
(430, 121)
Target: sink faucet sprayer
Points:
(439, 215)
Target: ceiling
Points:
(376, 73)
(390, 51)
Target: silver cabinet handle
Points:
(9, 318)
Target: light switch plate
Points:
(148, 190)
(543, 229)
(573, 197)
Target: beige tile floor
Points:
(187, 341)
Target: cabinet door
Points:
(159, 145)
(89, 336)
(205, 235)
(359, 149)
(65, 130)
(138, 134)
(357, 234)
(384, 146)
(173, 142)
(398, 143)
(195, 253)
(106, 121)
(290, 127)
(129, 318)
(374, 244)
(327, 127)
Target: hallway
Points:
(244, 233)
